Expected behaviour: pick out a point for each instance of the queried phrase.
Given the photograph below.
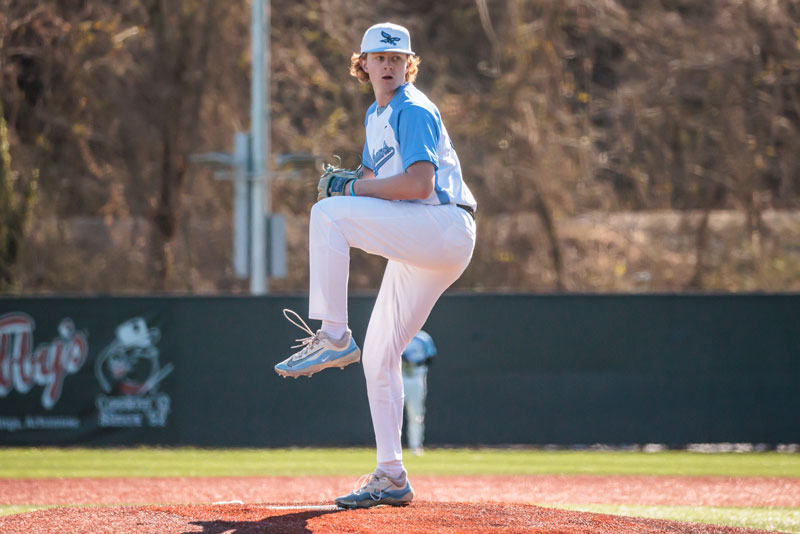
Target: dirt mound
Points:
(422, 517)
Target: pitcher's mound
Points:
(418, 518)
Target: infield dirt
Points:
(475, 504)
(418, 518)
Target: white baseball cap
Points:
(386, 37)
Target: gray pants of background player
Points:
(415, 378)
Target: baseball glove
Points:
(335, 180)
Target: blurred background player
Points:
(416, 358)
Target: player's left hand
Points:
(335, 181)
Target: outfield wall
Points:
(522, 369)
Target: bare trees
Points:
(648, 105)
(559, 110)
(16, 201)
(109, 100)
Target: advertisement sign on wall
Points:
(127, 371)
(198, 371)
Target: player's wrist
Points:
(351, 188)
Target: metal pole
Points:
(260, 144)
(241, 204)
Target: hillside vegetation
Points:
(616, 145)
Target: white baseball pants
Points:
(427, 248)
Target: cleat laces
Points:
(369, 483)
(308, 343)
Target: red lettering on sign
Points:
(48, 365)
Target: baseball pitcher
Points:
(407, 203)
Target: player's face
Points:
(386, 70)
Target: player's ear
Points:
(363, 61)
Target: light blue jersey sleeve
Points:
(418, 131)
(366, 158)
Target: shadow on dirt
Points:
(291, 523)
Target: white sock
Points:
(393, 469)
(334, 330)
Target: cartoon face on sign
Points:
(129, 365)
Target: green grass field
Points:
(149, 462)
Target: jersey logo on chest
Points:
(382, 155)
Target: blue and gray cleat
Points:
(377, 488)
(319, 352)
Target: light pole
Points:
(253, 224)
(259, 138)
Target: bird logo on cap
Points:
(388, 39)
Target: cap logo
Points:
(388, 39)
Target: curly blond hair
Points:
(363, 77)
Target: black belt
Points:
(468, 209)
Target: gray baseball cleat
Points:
(377, 488)
(319, 352)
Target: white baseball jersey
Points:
(410, 129)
